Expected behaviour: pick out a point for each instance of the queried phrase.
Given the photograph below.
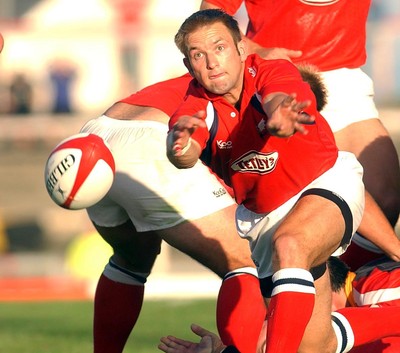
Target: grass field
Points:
(61, 327)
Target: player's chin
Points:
(219, 88)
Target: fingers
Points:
(300, 128)
(200, 331)
(290, 117)
(294, 53)
(190, 123)
(278, 53)
(295, 106)
(183, 129)
(171, 344)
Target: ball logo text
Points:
(58, 171)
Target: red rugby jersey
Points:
(265, 171)
(377, 284)
(331, 33)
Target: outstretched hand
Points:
(288, 117)
(209, 343)
(183, 129)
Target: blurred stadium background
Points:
(111, 48)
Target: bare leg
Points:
(118, 299)
(374, 148)
(299, 320)
(213, 242)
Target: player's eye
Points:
(197, 56)
(220, 47)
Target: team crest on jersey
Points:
(252, 71)
(319, 2)
(256, 162)
(262, 127)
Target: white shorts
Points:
(147, 188)
(350, 97)
(344, 180)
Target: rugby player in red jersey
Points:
(331, 35)
(255, 123)
(146, 192)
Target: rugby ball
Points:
(79, 171)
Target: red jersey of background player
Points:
(165, 96)
(265, 171)
(331, 33)
(376, 284)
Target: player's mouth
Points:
(216, 76)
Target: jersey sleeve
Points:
(165, 95)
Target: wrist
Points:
(186, 148)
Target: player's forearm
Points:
(377, 229)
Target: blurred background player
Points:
(332, 37)
(376, 284)
(150, 201)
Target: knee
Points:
(288, 251)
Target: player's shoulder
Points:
(383, 264)
(257, 67)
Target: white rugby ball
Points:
(79, 171)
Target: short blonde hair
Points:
(203, 18)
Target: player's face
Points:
(215, 61)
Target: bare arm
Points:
(378, 230)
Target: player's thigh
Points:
(319, 332)
(372, 145)
(212, 240)
(309, 234)
(132, 250)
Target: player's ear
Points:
(186, 62)
(242, 49)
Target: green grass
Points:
(66, 327)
